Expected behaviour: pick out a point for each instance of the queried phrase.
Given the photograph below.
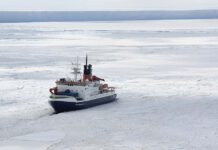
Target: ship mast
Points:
(86, 60)
(76, 69)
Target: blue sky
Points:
(31, 5)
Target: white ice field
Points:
(166, 74)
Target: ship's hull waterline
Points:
(64, 106)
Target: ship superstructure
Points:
(87, 91)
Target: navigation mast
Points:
(76, 69)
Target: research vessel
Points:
(78, 93)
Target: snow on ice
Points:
(166, 74)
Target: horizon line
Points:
(140, 10)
